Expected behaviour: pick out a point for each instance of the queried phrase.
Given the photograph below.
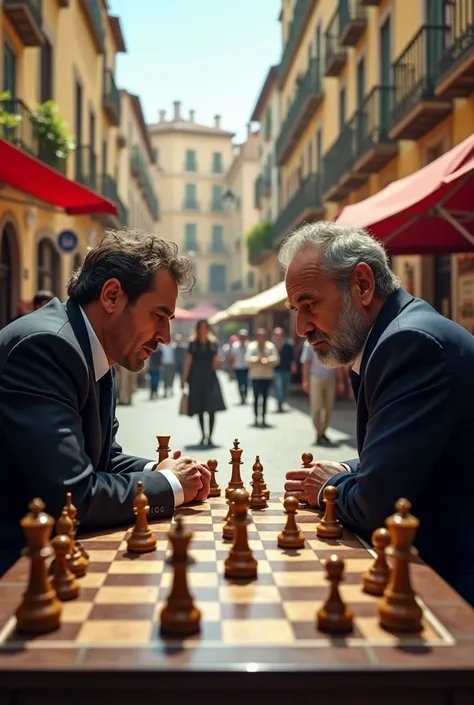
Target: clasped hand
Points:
(194, 477)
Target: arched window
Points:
(48, 266)
(9, 274)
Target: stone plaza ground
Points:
(279, 447)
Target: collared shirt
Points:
(101, 367)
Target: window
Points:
(217, 163)
(342, 108)
(48, 266)
(217, 277)
(46, 72)
(191, 164)
(385, 73)
(9, 70)
(216, 198)
(268, 124)
(250, 279)
(156, 155)
(190, 200)
(217, 244)
(190, 237)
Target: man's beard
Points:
(348, 339)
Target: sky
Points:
(213, 55)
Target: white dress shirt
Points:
(101, 367)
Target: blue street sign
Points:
(67, 241)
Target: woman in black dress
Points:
(199, 372)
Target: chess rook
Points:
(329, 527)
(257, 498)
(375, 580)
(335, 617)
(40, 610)
(214, 489)
(163, 449)
(291, 536)
(398, 608)
(235, 482)
(141, 539)
(240, 562)
(180, 617)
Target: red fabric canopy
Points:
(180, 314)
(30, 175)
(203, 311)
(428, 212)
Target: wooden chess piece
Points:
(334, 617)
(306, 460)
(63, 581)
(398, 608)
(40, 610)
(235, 482)
(329, 527)
(291, 536)
(78, 563)
(228, 528)
(180, 617)
(375, 580)
(257, 499)
(141, 540)
(214, 489)
(163, 449)
(240, 562)
(64, 527)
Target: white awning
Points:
(275, 296)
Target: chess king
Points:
(411, 372)
(57, 408)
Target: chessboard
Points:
(122, 594)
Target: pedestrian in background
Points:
(261, 358)
(238, 351)
(284, 368)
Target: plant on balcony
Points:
(54, 140)
(259, 240)
(8, 120)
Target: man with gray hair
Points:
(413, 382)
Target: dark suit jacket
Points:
(52, 437)
(415, 435)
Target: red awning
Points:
(180, 314)
(30, 175)
(428, 212)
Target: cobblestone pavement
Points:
(279, 447)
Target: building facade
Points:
(242, 213)
(189, 176)
(370, 93)
(62, 51)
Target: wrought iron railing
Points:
(459, 37)
(350, 10)
(307, 196)
(111, 93)
(86, 166)
(371, 122)
(302, 10)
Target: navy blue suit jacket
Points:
(415, 435)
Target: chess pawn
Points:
(257, 499)
(163, 449)
(235, 482)
(398, 608)
(64, 527)
(180, 617)
(228, 528)
(63, 581)
(214, 489)
(79, 562)
(291, 536)
(376, 578)
(141, 539)
(334, 617)
(40, 610)
(329, 527)
(240, 562)
(306, 460)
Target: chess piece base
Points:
(291, 541)
(335, 623)
(66, 590)
(258, 503)
(228, 532)
(329, 531)
(141, 542)
(182, 622)
(78, 565)
(215, 492)
(266, 494)
(39, 615)
(241, 566)
(399, 613)
(373, 584)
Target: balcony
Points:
(86, 166)
(257, 189)
(336, 54)
(108, 189)
(93, 15)
(111, 98)
(305, 205)
(336, 162)
(266, 182)
(26, 17)
(373, 149)
(301, 14)
(352, 22)
(456, 66)
(416, 109)
(308, 97)
(17, 127)
(139, 169)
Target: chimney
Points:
(162, 114)
(177, 110)
(217, 122)
(191, 116)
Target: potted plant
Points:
(54, 140)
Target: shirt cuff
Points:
(175, 486)
(149, 466)
(348, 467)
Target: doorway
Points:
(48, 267)
(9, 280)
